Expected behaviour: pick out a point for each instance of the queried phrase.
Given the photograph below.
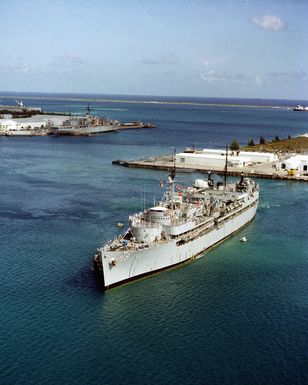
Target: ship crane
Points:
(20, 104)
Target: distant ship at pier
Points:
(299, 107)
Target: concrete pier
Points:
(265, 170)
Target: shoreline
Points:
(160, 102)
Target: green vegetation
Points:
(29, 114)
(262, 140)
(234, 146)
(296, 145)
(18, 114)
(251, 143)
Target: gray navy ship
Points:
(185, 223)
(85, 125)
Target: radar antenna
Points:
(171, 179)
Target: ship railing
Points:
(198, 232)
(136, 216)
(234, 212)
(144, 224)
(177, 221)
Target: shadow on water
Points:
(86, 280)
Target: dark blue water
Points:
(236, 316)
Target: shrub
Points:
(234, 146)
(262, 140)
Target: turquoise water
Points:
(236, 316)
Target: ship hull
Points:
(85, 131)
(119, 267)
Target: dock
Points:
(133, 125)
(165, 162)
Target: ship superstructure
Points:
(185, 223)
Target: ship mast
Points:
(172, 177)
(88, 110)
(226, 167)
(173, 161)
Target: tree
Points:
(277, 138)
(289, 137)
(262, 140)
(234, 146)
(251, 143)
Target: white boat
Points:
(182, 226)
(299, 107)
(19, 132)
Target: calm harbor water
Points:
(236, 316)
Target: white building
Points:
(297, 162)
(217, 158)
(21, 124)
(7, 124)
(31, 123)
(209, 160)
(254, 156)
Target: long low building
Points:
(31, 123)
(210, 160)
(217, 158)
(17, 124)
(254, 156)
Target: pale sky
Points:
(210, 48)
